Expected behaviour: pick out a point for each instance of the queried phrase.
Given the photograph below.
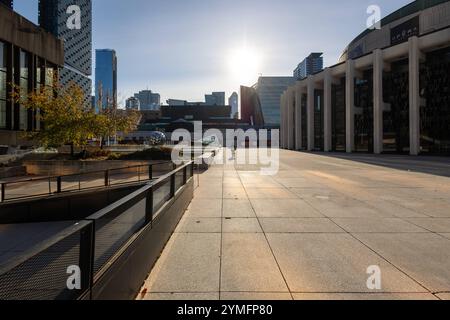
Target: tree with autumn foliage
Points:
(65, 118)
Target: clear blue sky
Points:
(182, 48)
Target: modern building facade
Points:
(29, 59)
(133, 103)
(310, 65)
(71, 21)
(215, 99)
(269, 91)
(390, 92)
(8, 3)
(148, 100)
(251, 111)
(105, 79)
(233, 102)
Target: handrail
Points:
(58, 180)
(91, 268)
(83, 173)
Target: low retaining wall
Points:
(60, 168)
(10, 172)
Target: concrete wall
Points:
(19, 31)
(12, 172)
(58, 168)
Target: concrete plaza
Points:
(311, 232)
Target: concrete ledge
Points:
(59, 168)
(12, 172)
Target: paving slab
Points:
(288, 208)
(333, 263)
(189, 263)
(269, 193)
(439, 225)
(253, 296)
(344, 207)
(206, 208)
(370, 225)
(182, 296)
(241, 225)
(238, 209)
(234, 192)
(394, 209)
(364, 296)
(299, 225)
(444, 296)
(446, 235)
(248, 265)
(423, 256)
(199, 225)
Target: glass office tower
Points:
(105, 79)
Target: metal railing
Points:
(47, 186)
(92, 245)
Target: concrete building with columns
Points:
(389, 93)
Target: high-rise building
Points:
(133, 103)
(215, 99)
(71, 21)
(269, 91)
(310, 65)
(148, 100)
(105, 79)
(233, 102)
(8, 3)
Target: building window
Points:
(24, 87)
(3, 83)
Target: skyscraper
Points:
(310, 65)
(233, 101)
(105, 79)
(71, 21)
(8, 3)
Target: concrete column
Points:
(378, 104)
(350, 105)
(291, 118)
(285, 107)
(414, 97)
(327, 110)
(310, 111)
(298, 117)
(282, 122)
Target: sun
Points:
(245, 65)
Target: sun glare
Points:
(245, 64)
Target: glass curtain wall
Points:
(338, 117)
(396, 119)
(364, 113)
(435, 109)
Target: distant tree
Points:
(112, 120)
